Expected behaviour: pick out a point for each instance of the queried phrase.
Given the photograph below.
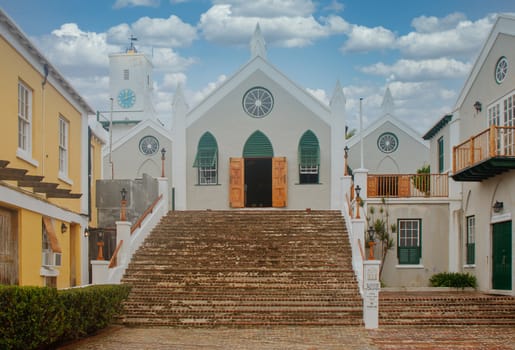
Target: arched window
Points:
(309, 158)
(206, 160)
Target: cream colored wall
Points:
(409, 156)
(485, 89)
(478, 197)
(284, 127)
(433, 155)
(435, 230)
(478, 201)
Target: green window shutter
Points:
(471, 253)
(258, 145)
(207, 152)
(409, 255)
(309, 150)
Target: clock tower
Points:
(130, 87)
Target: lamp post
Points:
(358, 201)
(371, 233)
(163, 151)
(346, 169)
(123, 210)
(100, 245)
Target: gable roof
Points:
(437, 127)
(504, 24)
(258, 63)
(147, 123)
(380, 122)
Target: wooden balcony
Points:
(408, 185)
(485, 155)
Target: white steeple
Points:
(338, 99)
(257, 44)
(387, 106)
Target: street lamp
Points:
(123, 211)
(358, 201)
(371, 242)
(163, 151)
(346, 170)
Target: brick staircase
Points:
(244, 268)
(445, 309)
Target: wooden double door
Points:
(258, 182)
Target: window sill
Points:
(412, 267)
(48, 271)
(65, 178)
(469, 266)
(23, 155)
(207, 185)
(304, 184)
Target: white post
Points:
(371, 288)
(99, 271)
(123, 233)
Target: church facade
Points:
(258, 141)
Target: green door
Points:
(501, 256)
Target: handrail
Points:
(495, 141)
(408, 185)
(361, 252)
(113, 261)
(149, 210)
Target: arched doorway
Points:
(258, 179)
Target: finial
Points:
(388, 105)
(257, 43)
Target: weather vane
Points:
(132, 48)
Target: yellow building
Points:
(49, 160)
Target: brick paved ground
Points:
(303, 338)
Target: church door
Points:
(258, 182)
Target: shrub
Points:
(453, 280)
(30, 317)
(37, 317)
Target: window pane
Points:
(409, 247)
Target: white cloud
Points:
(194, 98)
(168, 60)
(161, 32)
(412, 70)
(320, 94)
(367, 39)
(450, 36)
(221, 24)
(269, 8)
(172, 80)
(69, 46)
(335, 6)
(424, 24)
(133, 3)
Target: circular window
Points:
(148, 145)
(258, 102)
(387, 142)
(501, 70)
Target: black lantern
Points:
(63, 228)
(478, 106)
(371, 234)
(123, 192)
(358, 190)
(163, 152)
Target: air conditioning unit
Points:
(51, 259)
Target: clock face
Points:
(149, 145)
(258, 102)
(387, 142)
(126, 98)
(501, 70)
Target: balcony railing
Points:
(408, 185)
(496, 142)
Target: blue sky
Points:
(423, 50)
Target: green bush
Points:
(36, 317)
(453, 280)
(29, 317)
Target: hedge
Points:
(36, 317)
(453, 280)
